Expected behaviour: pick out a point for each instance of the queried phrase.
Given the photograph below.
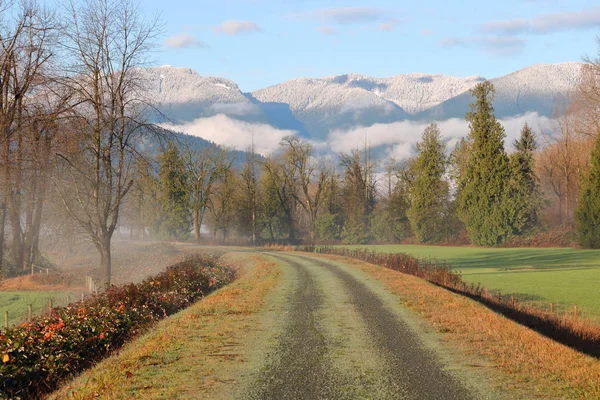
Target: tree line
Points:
(74, 116)
(477, 190)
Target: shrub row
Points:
(568, 329)
(36, 357)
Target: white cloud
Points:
(327, 30)
(584, 19)
(233, 133)
(495, 45)
(546, 23)
(400, 138)
(236, 27)
(506, 27)
(184, 41)
(346, 15)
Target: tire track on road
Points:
(298, 368)
(411, 369)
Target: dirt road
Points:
(339, 337)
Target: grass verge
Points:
(562, 276)
(528, 359)
(181, 356)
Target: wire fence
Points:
(24, 306)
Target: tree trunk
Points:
(105, 259)
(2, 228)
(196, 215)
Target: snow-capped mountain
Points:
(183, 95)
(316, 107)
(532, 89)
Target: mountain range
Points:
(315, 108)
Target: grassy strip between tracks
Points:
(180, 357)
(532, 362)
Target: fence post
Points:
(29, 312)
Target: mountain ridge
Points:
(314, 107)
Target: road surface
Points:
(340, 338)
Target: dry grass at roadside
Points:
(528, 358)
(179, 358)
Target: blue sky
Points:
(258, 43)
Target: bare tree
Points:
(205, 167)
(560, 161)
(105, 42)
(312, 180)
(585, 102)
(223, 206)
(27, 123)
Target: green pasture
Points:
(16, 303)
(564, 277)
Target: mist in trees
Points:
(73, 112)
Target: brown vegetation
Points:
(568, 329)
(161, 364)
(530, 359)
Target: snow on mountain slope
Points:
(331, 103)
(532, 89)
(411, 92)
(316, 107)
(183, 95)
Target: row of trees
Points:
(432, 197)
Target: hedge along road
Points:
(341, 339)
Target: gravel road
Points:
(307, 362)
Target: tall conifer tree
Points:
(429, 192)
(484, 184)
(525, 201)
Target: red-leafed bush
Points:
(35, 357)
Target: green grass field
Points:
(565, 277)
(16, 303)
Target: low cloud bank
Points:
(399, 138)
(234, 133)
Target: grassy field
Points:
(16, 303)
(565, 277)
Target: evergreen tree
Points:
(587, 215)
(429, 192)
(526, 196)
(484, 188)
(174, 219)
